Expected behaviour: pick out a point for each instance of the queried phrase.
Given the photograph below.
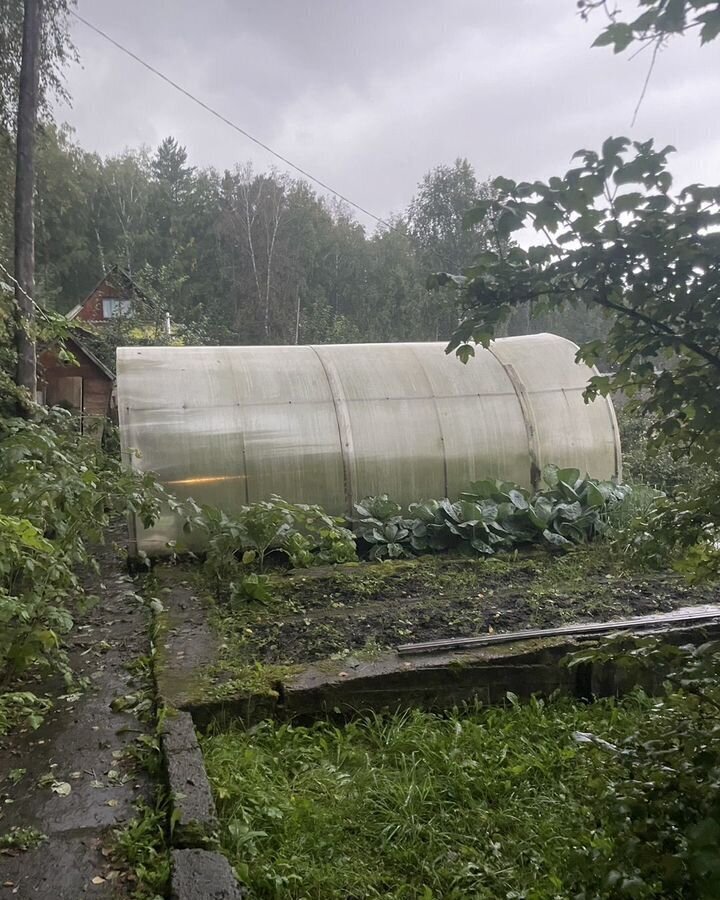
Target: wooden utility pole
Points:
(26, 375)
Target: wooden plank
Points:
(675, 617)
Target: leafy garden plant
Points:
(58, 492)
(491, 516)
(381, 524)
(238, 546)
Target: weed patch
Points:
(18, 840)
(492, 803)
(141, 847)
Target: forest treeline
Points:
(245, 257)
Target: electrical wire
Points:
(22, 290)
(324, 185)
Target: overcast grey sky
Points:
(370, 95)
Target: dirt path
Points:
(82, 745)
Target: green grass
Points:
(141, 847)
(489, 804)
(231, 678)
(21, 839)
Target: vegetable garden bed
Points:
(339, 616)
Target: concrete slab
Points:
(81, 743)
(432, 680)
(187, 645)
(178, 732)
(444, 679)
(194, 816)
(203, 875)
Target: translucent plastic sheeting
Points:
(332, 424)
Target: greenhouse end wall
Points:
(331, 424)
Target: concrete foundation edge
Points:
(198, 870)
(202, 875)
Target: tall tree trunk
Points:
(101, 250)
(270, 252)
(297, 317)
(26, 375)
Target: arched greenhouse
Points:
(331, 424)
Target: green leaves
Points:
(682, 531)
(58, 491)
(381, 507)
(381, 526)
(518, 499)
(491, 516)
(627, 202)
(555, 539)
(253, 587)
(612, 150)
(658, 20)
(24, 533)
(477, 214)
(618, 241)
(465, 353)
(710, 22)
(302, 534)
(619, 35)
(21, 707)
(665, 802)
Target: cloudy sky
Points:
(369, 96)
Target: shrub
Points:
(664, 802)
(683, 531)
(58, 492)
(673, 516)
(647, 463)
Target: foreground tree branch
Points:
(616, 238)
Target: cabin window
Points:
(114, 306)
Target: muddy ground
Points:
(362, 609)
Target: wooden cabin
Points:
(86, 389)
(115, 295)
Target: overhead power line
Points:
(24, 292)
(230, 123)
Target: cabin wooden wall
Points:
(69, 386)
(91, 310)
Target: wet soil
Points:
(365, 608)
(83, 744)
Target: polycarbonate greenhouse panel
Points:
(562, 428)
(332, 424)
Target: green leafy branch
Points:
(615, 238)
